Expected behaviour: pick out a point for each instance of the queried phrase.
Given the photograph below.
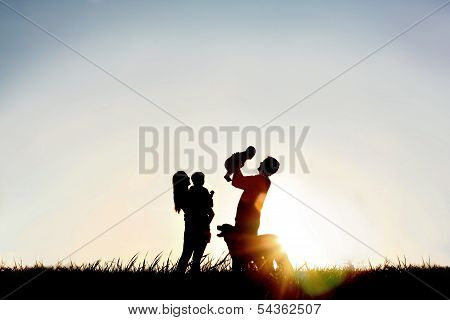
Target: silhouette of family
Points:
(243, 242)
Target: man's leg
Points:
(244, 245)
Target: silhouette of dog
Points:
(254, 252)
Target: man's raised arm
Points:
(239, 180)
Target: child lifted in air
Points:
(237, 160)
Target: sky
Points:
(377, 149)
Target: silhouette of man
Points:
(255, 188)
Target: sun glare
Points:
(290, 222)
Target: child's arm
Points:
(211, 215)
(210, 199)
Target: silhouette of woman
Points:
(197, 217)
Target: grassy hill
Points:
(158, 280)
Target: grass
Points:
(157, 279)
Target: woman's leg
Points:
(199, 249)
(188, 249)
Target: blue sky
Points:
(378, 148)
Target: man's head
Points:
(198, 178)
(269, 166)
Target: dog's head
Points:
(231, 236)
(226, 230)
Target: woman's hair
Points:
(180, 182)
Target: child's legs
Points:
(227, 176)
